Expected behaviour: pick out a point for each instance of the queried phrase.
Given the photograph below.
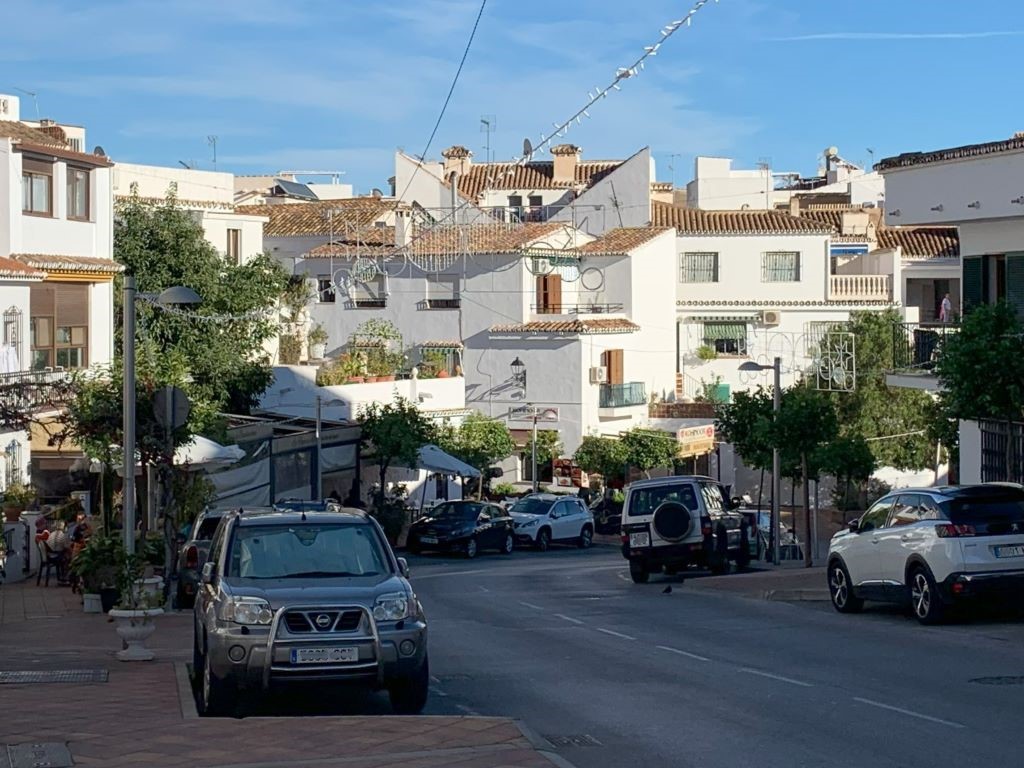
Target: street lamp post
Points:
(533, 446)
(776, 366)
(177, 296)
(318, 489)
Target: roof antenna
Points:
(33, 94)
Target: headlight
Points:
(247, 610)
(528, 523)
(391, 607)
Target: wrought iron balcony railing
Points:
(623, 395)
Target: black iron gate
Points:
(1002, 451)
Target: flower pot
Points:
(356, 379)
(108, 598)
(443, 374)
(317, 351)
(386, 378)
(151, 586)
(134, 627)
(92, 603)
(12, 514)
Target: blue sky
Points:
(340, 84)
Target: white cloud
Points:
(899, 36)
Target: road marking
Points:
(467, 710)
(436, 680)
(615, 634)
(531, 605)
(568, 618)
(484, 589)
(438, 692)
(683, 653)
(780, 678)
(908, 712)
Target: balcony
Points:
(852, 288)
(589, 308)
(369, 303)
(23, 393)
(443, 303)
(916, 347)
(628, 395)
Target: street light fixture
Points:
(519, 373)
(177, 296)
(751, 367)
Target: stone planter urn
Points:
(152, 586)
(317, 351)
(134, 628)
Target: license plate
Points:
(640, 539)
(324, 655)
(1016, 550)
(428, 539)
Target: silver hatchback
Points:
(306, 597)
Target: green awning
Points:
(731, 331)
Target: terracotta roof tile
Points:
(929, 242)
(575, 326)
(621, 240)
(692, 221)
(53, 262)
(908, 159)
(298, 219)
(217, 205)
(535, 175)
(12, 129)
(435, 344)
(11, 268)
(483, 238)
(370, 239)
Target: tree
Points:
(746, 422)
(549, 446)
(478, 441)
(981, 370)
(396, 431)
(649, 448)
(849, 459)
(605, 456)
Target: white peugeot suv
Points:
(931, 547)
(542, 518)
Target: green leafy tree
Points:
(647, 449)
(746, 422)
(394, 432)
(549, 446)
(981, 370)
(478, 441)
(849, 459)
(605, 456)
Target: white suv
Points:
(542, 518)
(932, 547)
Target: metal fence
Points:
(918, 345)
(1002, 451)
(623, 395)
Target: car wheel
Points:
(409, 695)
(509, 545)
(471, 547)
(925, 600)
(841, 590)
(215, 696)
(638, 572)
(543, 539)
(413, 548)
(586, 537)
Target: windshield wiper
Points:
(324, 574)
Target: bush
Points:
(705, 352)
(290, 350)
(504, 489)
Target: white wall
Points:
(992, 237)
(970, 452)
(620, 199)
(216, 225)
(155, 180)
(101, 323)
(716, 186)
(17, 295)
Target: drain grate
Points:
(577, 740)
(53, 676)
(45, 755)
(1003, 680)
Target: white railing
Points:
(860, 287)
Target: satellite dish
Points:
(376, 193)
(98, 151)
(832, 152)
(527, 149)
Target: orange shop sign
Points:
(696, 441)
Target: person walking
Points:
(946, 309)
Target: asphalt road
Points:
(617, 674)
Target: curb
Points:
(797, 595)
(543, 747)
(185, 697)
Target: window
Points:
(780, 267)
(515, 207)
(698, 267)
(283, 551)
(325, 289)
(12, 462)
(234, 251)
(59, 326)
(443, 292)
(726, 338)
(816, 333)
(78, 194)
(37, 187)
(646, 500)
(906, 511)
(549, 294)
(876, 516)
(370, 295)
(713, 498)
(536, 208)
(612, 359)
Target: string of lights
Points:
(222, 319)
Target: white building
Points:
(285, 187)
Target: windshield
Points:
(283, 552)
(643, 501)
(531, 507)
(994, 516)
(452, 511)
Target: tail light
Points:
(705, 526)
(951, 531)
(191, 557)
(625, 538)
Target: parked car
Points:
(931, 547)
(303, 505)
(192, 555)
(544, 518)
(463, 526)
(306, 597)
(672, 523)
(607, 514)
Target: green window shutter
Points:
(1015, 282)
(973, 282)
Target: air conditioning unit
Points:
(771, 317)
(599, 374)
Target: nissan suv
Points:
(932, 548)
(297, 597)
(672, 523)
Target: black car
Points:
(463, 526)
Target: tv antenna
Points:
(35, 101)
(488, 125)
(212, 141)
(871, 153)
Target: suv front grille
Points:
(307, 622)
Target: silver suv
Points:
(297, 597)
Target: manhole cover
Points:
(44, 755)
(54, 676)
(578, 740)
(1004, 680)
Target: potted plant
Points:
(706, 352)
(135, 611)
(17, 497)
(97, 565)
(317, 342)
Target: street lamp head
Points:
(519, 372)
(751, 367)
(178, 295)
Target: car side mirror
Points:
(736, 502)
(207, 573)
(854, 526)
(403, 567)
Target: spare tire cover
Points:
(672, 521)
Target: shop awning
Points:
(433, 459)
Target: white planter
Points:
(91, 603)
(317, 351)
(151, 586)
(134, 627)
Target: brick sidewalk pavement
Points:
(138, 719)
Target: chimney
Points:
(457, 159)
(403, 228)
(794, 205)
(9, 107)
(567, 157)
